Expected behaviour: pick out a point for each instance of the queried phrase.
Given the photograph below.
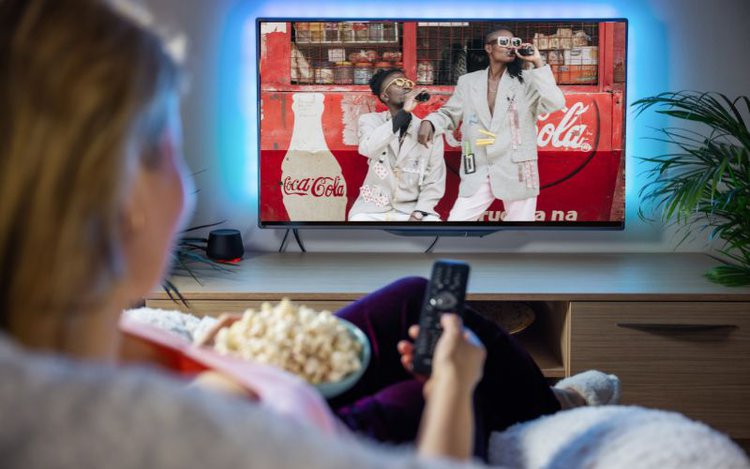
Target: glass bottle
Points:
(361, 32)
(362, 73)
(376, 32)
(347, 33)
(324, 73)
(425, 72)
(312, 185)
(331, 32)
(389, 32)
(343, 74)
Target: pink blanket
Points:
(278, 390)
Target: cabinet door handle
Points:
(675, 327)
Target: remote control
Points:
(445, 294)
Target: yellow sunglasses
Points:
(400, 81)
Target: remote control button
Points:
(444, 300)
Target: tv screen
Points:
(441, 125)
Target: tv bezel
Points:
(442, 228)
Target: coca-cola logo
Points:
(323, 186)
(571, 133)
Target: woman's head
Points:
(91, 187)
(503, 52)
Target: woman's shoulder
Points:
(472, 76)
(81, 412)
(55, 409)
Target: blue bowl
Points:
(333, 389)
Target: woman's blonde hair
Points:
(83, 100)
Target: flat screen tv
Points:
(441, 125)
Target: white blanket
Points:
(614, 437)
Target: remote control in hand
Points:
(445, 294)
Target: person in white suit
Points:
(498, 107)
(404, 180)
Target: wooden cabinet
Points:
(675, 340)
(216, 307)
(692, 357)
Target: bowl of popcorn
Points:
(326, 351)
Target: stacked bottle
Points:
(362, 73)
(343, 74)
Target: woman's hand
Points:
(535, 58)
(214, 380)
(223, 384)
(447, 427)
(406, 349)
(224, 320)
(458, 357)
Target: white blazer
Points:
(406, 178)
(511, 166)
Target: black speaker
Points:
(225, 245)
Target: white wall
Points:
(690, 44)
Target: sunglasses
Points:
(402, 82)
(505, 41)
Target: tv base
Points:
(431, 233)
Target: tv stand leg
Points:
(295, 232)
(434, 242)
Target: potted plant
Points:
(702, 182)
(189, 252)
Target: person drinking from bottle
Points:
(404, 180)
(498, 107)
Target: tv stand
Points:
(676, 340)
(442, 233)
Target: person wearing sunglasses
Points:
(498, 109)
(404, 180)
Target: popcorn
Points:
(314, 345)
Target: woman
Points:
(92, 176)
(497, 109)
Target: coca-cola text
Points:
(569, 133)
(323, 186)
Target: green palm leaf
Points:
(703, 182)
(190, 253)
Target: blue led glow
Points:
(236, 143)
(648, 55)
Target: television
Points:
(549, 154)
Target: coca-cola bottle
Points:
(313, 188)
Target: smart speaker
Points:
(225, 245)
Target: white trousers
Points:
(392, 215)
(472, 207)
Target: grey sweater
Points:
(57, 412)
